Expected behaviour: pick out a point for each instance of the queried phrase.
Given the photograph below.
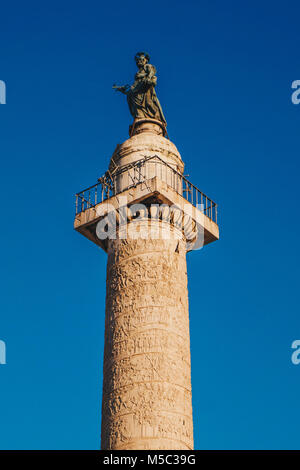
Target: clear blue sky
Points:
(224, 80)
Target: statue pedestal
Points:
(147, 125)
(147, 140)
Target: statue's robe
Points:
(141, 97)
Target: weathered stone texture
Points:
(147, 376)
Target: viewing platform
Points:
(148, 180)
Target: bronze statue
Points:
(141, 96)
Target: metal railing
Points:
(138, 172)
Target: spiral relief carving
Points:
(147, 376)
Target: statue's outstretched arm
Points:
(123, 89)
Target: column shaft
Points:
(147, 373)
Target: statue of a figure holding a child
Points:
(141, 97)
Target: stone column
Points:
(147, 379)
(147, 373)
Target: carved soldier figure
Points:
(141, 96)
